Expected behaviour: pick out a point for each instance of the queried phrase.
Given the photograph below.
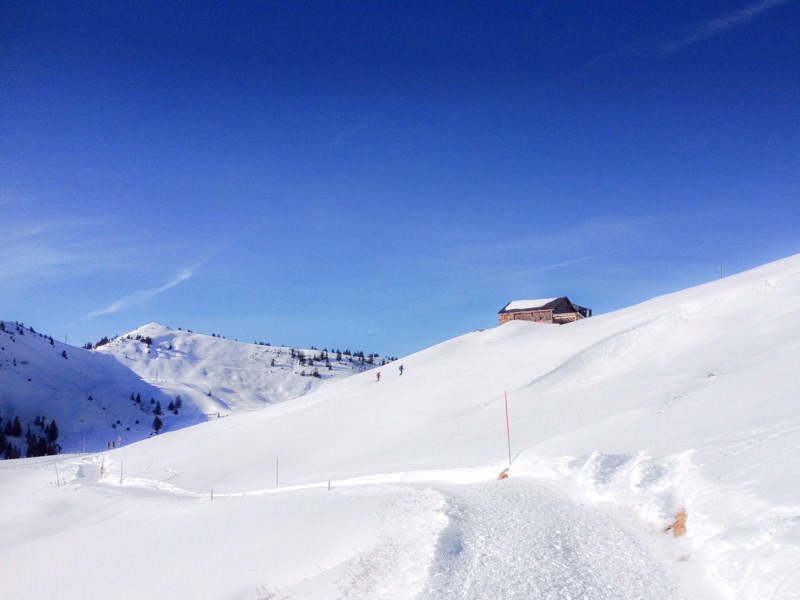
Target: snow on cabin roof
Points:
(527, 304)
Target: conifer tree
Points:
(31, 448)
(157, 424)
(52, 433)
(12, 452)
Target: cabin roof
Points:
(516, 305)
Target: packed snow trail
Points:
(465, 539)
(519, 539)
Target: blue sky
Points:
(385, 176)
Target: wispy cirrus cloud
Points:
(547, 266)
(141, 296)
(718, 26)
(543, 254)
(572, 243)
(53, 249)
(672, 42)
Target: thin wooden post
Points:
(121, 465)
(276, 472)
(58, 479)
(508, 431)
(212, 494)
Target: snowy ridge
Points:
(220, 375)
(87, 394)
(688, 401)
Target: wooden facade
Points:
(547, 310)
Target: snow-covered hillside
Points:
(91, 397)
(111, 395)
(220, 375)
(389, 489)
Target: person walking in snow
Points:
(401, 369)
(378, 376)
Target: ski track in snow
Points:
(518, 539)
(512, 539)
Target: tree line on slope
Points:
(43, 442)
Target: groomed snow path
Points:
(519, 539)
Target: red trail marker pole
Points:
(508, 431)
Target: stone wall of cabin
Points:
(538, 316)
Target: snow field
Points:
(352, 542)
(428, 539)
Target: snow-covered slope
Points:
(688, 401)
(87, 394)
(220, 375)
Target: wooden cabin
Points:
(545, 310)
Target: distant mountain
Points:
(90, 396)
(219, 376)
(111, 395)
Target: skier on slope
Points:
(401, 369)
